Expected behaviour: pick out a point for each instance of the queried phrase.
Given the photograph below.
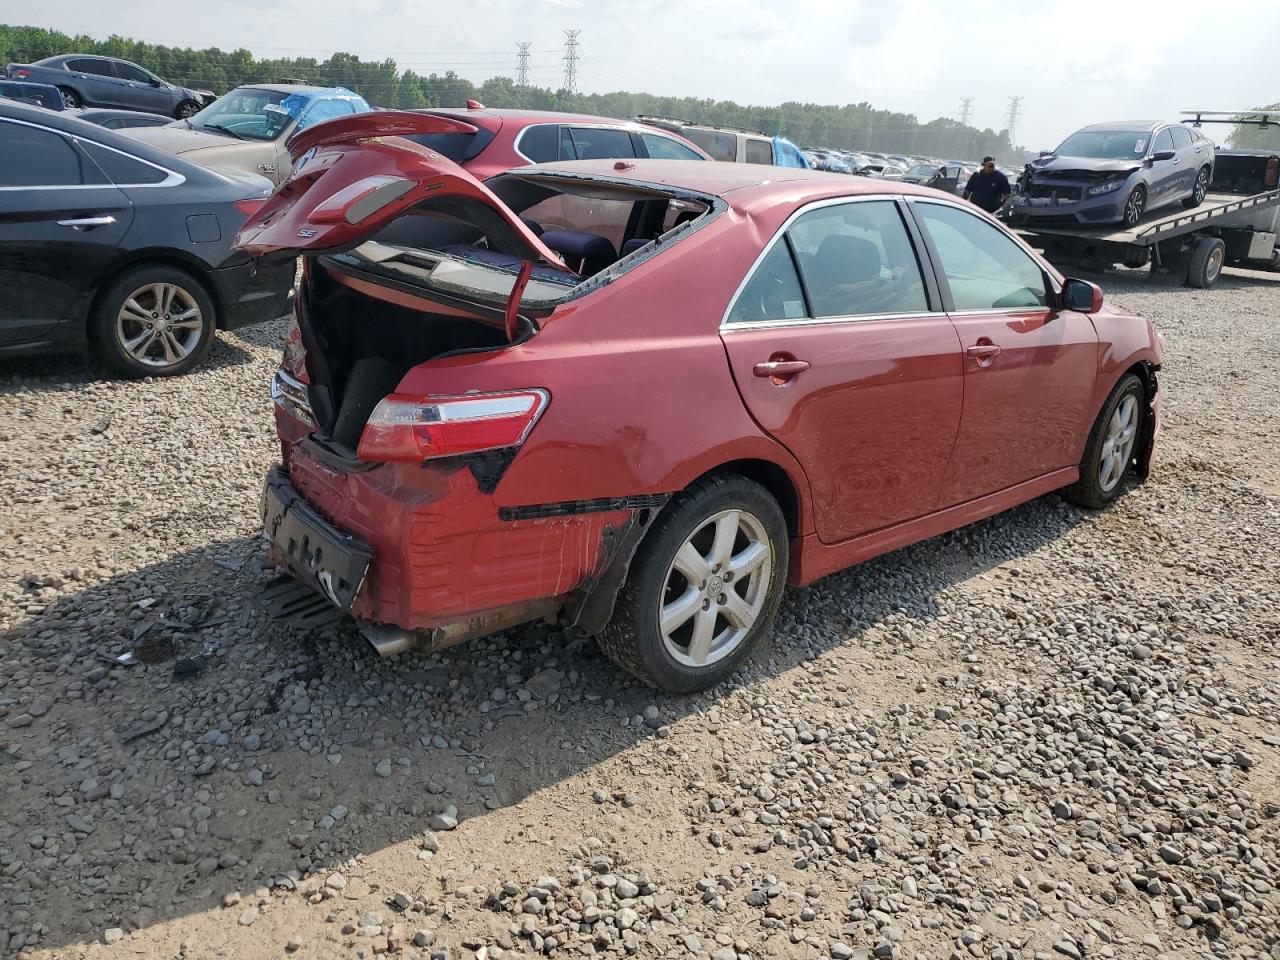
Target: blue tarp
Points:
(787, 154)
(328, 103)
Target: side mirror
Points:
(1081, 295)
(1046, 153)
(1163, 155)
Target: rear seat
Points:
(587, 253)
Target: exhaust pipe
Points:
(388, 640)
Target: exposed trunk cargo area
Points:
(360, 347)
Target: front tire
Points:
(1112, 447)
(70, 99)
(153, 321)
(1199, 190)
(704, 587)
(187, 108)
(1135, 205)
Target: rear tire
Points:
(1207, 257)
(1114, 443)
(70, 99)
(729, 534)
(187, 108)
(1135, 205)
(153, 321)
(1199, 191)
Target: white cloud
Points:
(1073, 61)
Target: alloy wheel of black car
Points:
(70, 99)
(154, 321)
(1200, 190)
(1135, 205)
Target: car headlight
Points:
(1106, 186)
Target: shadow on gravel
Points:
(67, 371)
(231, 749)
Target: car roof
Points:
(742, 184)
(1126, 125)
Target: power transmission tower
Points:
(522, 63)
(571, 60)
(966, 110)
(1011, 120)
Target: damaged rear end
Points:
(404, 393)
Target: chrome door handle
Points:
(83, 223)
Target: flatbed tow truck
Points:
(1237, 224)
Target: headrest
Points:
(588, 253)
(841, 258)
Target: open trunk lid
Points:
(349, 180)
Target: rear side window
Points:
(120, 168)
(857, 260)
(664, 148)
(721, 146)
(1181, 137)
(984, 267)
(541, 143)
(773, 292)
(599, 143)
(101, 68)
(759, 151)
(41, 158)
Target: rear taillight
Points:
(21, 74)
(250, 206)
(294, 361)
(413, 429)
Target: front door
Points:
(1166, 175)
(839, 355)
(60, 223)
(143, 91)
(1029, 367)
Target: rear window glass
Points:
(100, 68)
(540, 143)
(458, 147)
(721, 146)
(773, 292)
(41, 158)
(1181, 136)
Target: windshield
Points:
(1105, 144)
(247, 113)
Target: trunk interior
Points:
(365, 346)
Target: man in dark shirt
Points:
(988, 188)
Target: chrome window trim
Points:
(822, 321)
(172, 178)
(726, 325)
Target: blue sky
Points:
(1072, 62)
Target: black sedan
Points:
(106, 242)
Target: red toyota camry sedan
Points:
(648, 436)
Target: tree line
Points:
(851, 126)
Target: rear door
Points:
(1029, 368)
(60, 225)
(1188, 161)
(98, 86)
(842, 353)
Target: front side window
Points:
(1164, 141)
(127, 71)
(773, 292)
(600, 143)
(857, 260)
(984, 266)
(664, 148)
(759, 151)
(41, 158)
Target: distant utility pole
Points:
(522, 63)
(1011, 120)
(571, 60)
(966, 110)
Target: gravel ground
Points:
(1051, 734)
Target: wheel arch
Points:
(165, 258)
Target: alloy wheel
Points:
(187, 110)
(716, 588)
(1202, 186)
(1134, 206)
(69, 100)
(1117, 446)
(159, 324)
